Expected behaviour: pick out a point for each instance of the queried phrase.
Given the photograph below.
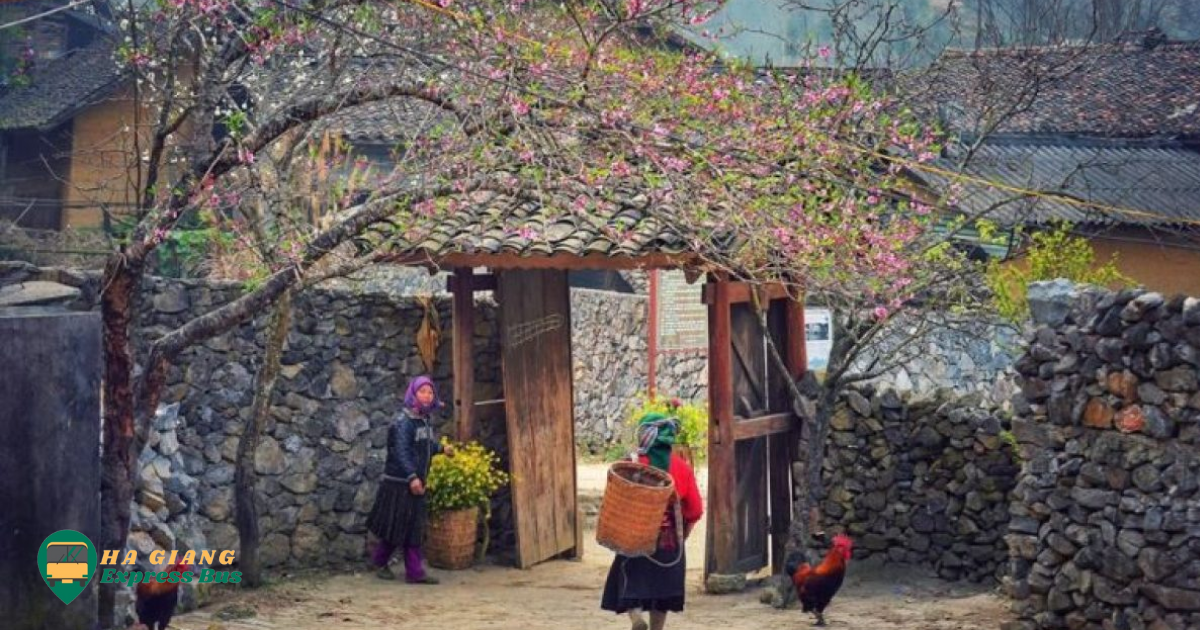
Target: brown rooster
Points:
(156, 601)
(816, 586)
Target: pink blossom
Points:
(824, 52)
(520, 108)
(881, 313)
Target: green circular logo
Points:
(67, 560)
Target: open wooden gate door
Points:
(535, 334)
(752, 428)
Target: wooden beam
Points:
(722, 471)
(739, 292)
(779, 476)
(783, 447)
(796, 353)
(764, 425)
(463, 341)
(652, 336)
(567, 262)
(479, 282)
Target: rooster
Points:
(816, 586)
(156, 601)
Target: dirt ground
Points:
(565, 594)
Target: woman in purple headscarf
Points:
(398, 517)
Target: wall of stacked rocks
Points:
(1105, 527)
(921, 480)
(347, 360)
(349, 355)
(609, 333)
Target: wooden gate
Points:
(535, 334)
(752, 429)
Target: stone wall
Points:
(921, 480)
(609, 333)
(1105, 529)
(349, 354)
(348, 357)
(968, 356)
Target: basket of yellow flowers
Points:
(460, 490)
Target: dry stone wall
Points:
(346, 362)
(921, 480)
(1105, 527)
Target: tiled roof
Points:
(498, 225)
(61, 88)
(1112, 90)
(385, 122)
(1158, 181)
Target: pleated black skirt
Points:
(398, 515)
(640, 583)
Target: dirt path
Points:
(561, 595)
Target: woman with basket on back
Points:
(655, 584)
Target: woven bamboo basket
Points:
(450, 539)
(631, 512)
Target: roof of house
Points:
(61, 88)
(495, 225)
(1155, 183)
(1111, 90)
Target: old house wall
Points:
(104, 152)
(1151, 264)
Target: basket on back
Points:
(631, 512)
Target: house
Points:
(1107, 138)
(64, 118)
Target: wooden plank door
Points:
(751, 433)
(535, 335)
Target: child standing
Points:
(400, 512)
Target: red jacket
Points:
(690, 501)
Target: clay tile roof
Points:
(1159, 181)
(61, 88)
(1112, 90)
(497, 225)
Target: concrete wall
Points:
(49, 457)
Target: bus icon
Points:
(67, 562)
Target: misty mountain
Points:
(913, 32)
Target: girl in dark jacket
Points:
(398, 517)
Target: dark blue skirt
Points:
(398, 515)
(639, 583)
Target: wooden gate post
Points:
(721, 546)
(783, 445)
(463, 340)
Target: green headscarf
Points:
(656, 436)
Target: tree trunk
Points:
(244, 477)
(1109, 20)
(813, 488)
(117, 306)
